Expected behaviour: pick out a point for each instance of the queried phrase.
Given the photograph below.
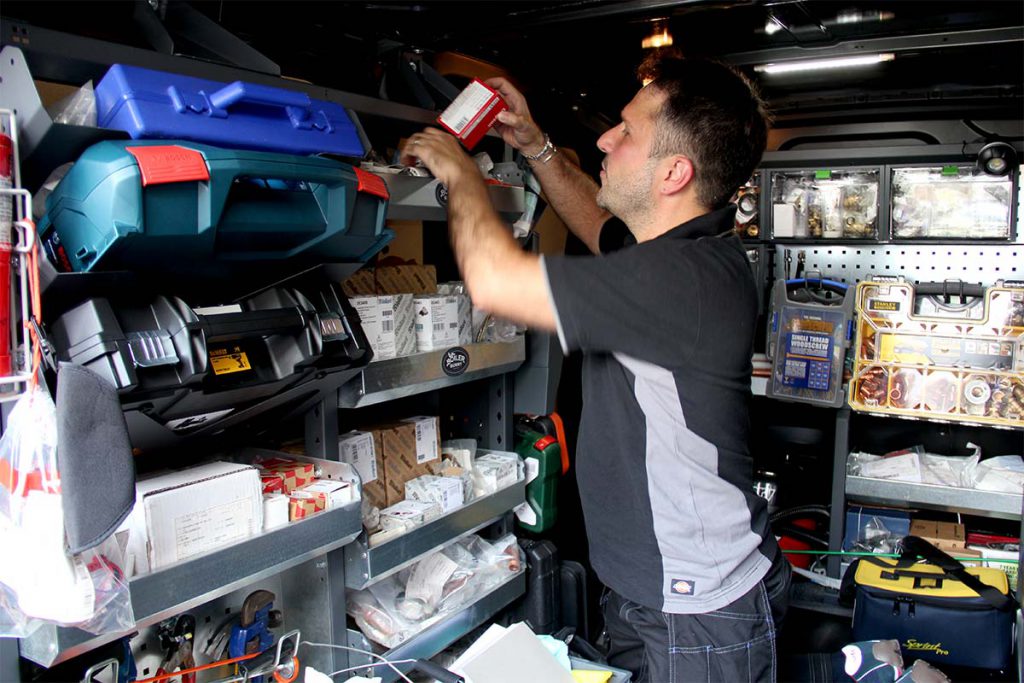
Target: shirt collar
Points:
(706, 225)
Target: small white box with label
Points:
(357, 449)
(445, 491)
(408, 514)
(428, 439)
(437, 322)
(388, 323)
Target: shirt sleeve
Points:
(644, 301)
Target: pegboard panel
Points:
(979, 264)
(215, 616)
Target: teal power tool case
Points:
(167, 207)
(809, 330)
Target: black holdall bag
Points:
(940, 611)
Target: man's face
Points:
(627, 172)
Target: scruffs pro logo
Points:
(926, 647)
(683, 587)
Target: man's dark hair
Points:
(713, 115)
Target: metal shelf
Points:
(189, 584)
(438, 636)
(948, 498)
(814, 598)
(365, 565)
(425, 199)
(394, 378)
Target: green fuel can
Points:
(543, 460)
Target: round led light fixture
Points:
(997, 158)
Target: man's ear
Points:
(678, 175)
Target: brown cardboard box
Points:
(945, 536)
(964, 553)
(392, 280)
(408, 448)
(301, 506)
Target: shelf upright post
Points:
(9, 659)
(322, 429)
(1020, 614)
(322, 442)
(837, 515)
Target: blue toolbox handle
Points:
(804, 281)
(240, 91)
(297, 105)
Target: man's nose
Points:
(605, 142)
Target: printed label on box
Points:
(356, 448)
(203, 530)
(465, 107)
(426, 439)
(437, 322)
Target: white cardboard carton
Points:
(179, 515)
(428, 439)
(445, 491)
(437, 322)
(335, 493)
(389, 324)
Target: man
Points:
(665, 318)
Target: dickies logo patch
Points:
(683, 587)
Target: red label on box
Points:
(162, 164)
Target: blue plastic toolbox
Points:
(167, 206)
(150, 104)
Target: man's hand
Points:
(515, 124)
(441, 153)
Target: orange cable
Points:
(204, 667)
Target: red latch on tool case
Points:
(371, 183)
(162, 164)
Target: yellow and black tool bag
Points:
(940, 611)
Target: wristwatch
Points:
(545, 153)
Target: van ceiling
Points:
(952, 58)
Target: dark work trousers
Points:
(731, 645)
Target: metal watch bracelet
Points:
(545, 153)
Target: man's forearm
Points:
(479, 240)
(573, 195)
(501, 278)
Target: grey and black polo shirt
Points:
(664, 472)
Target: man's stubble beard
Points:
(629, 200)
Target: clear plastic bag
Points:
(392, 610)
(77, 109)
(39, 581)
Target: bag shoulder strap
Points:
(914, 547)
